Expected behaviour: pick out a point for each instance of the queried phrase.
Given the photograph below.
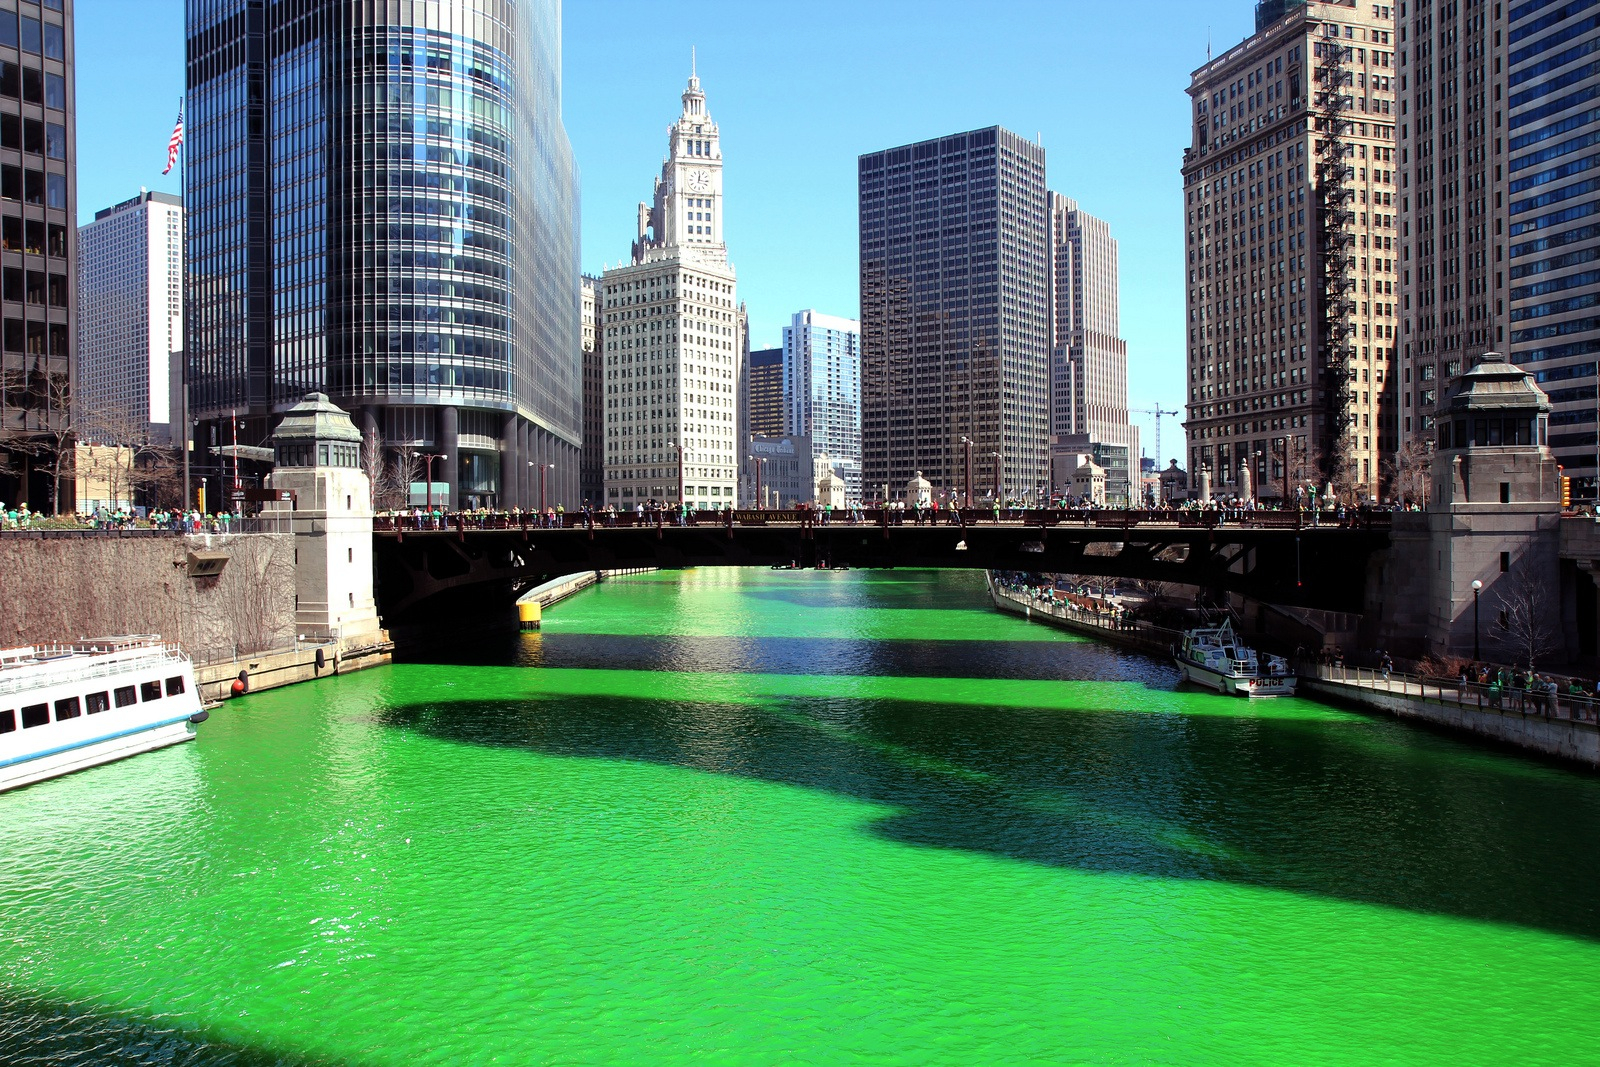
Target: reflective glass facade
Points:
(38, 213)
(1553, 208)
(384, 207)
(955, 307)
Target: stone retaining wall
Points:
(1562, 738)
(60, 586)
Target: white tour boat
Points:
(1213, 656)
(64, 708)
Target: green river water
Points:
(755, 817)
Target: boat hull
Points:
(82, 756)
(1234, 685)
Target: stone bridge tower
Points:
(318, 453)
(1493, 519)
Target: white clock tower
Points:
(670, 326)
(687, 209)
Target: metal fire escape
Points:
(1335, 260)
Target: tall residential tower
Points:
(672, 334)
(130, 319)
(1293, 253)
(383, 207)
(822, 390)
(1088, 357)
(955, 314)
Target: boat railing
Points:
(73, 665)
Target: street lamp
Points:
(542, 468)
(758, 461)
(1255, 482)
(1477, 587)
(427, 459)
(682, 508)
(996, 457)
(966, 493)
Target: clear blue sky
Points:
(800, 90)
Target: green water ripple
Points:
(444, 864)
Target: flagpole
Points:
(183, 280)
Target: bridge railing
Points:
(1042, 518)
(1543, 703)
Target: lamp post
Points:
(758, 461)
(1255, 488)
(1477, 587)
(996, 457)
(427, 459)
(682, 508)
(542, 468)
(966, 489)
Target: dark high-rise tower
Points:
(955, 332)
(38, 215)
(383, 206)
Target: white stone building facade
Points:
(671, 334)
(130, 318)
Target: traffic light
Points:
(1566, 491)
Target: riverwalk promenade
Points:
(1562, 725)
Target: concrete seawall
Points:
(1558, 735)
(1577, 741)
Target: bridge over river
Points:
(472, 563)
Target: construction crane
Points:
(1157, 412)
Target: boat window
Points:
(125, 696)
(174, 686)
(68, 708)
(35, 715)
(8, 721)
(150, 691)
(95, 703)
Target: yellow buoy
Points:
(529, 614)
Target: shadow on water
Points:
(1022, 660)
(1358, 811)
(56, 1034)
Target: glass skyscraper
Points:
(383, 206)
(1553, 217)
(822, 390)
(955, 306)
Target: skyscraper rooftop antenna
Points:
(693, 69)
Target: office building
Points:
(672, 334)
(383, 207)
(38, 283)
(592, 466)
(130, 320)
(955, 308)
(1552, 216)
(767, 407)
(1452, 205)
(783, 469)
(1088, 357)
(822, 390)
(1292, 252)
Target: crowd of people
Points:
(192, 521)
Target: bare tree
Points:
(1528, 624)
(375, 465)
(57, 429)
(407, 471)
(129, 457)
(1407, 473)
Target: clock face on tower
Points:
(698, 181)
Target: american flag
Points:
(174, 143)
